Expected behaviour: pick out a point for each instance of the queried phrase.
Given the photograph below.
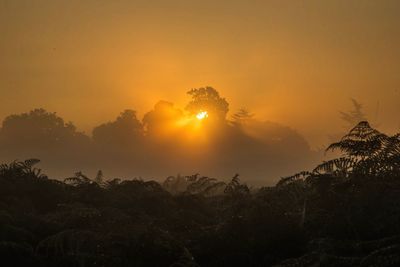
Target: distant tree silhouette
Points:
(355, 115)
(242, 117)
(207, 99)
(125, 131)
(167, 140)
(162, 119)
(39, 130)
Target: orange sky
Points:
(294, 62)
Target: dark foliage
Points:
(345, 212)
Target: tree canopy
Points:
(37, 129)
(208, 99)
(126, 129)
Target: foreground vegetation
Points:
(345, 212)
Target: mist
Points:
(297, 64)
(166, 141)
(199, 133)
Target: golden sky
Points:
(294, 62)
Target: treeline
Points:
(166, 141)
(345, 212)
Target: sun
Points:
(202, 115)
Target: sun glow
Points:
(202, 115)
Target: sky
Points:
(293, 62)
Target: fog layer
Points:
(167, 141)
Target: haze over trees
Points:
(119, 133)
(344, 212)
(207, 98)
(112, 154)
(166, 141)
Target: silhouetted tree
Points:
(242, 117)
(208, 99)
(125, 131)
(39, 130)
(162, 120)
(127, 146)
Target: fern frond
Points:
(298, 176)
(336, 166)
